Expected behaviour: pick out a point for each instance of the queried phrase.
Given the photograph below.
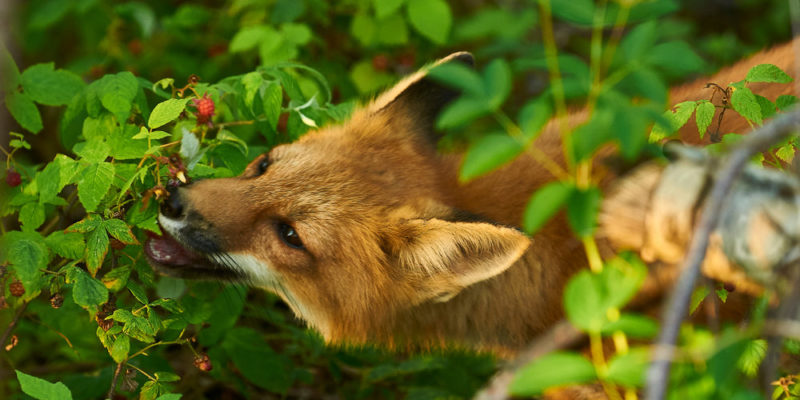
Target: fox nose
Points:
(172, 207)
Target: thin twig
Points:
(561, 335)
(759, 140)
(785, 312)
(12, 324)
(114, 382)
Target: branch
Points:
(759, 140)
(114, 382)
(561, 335)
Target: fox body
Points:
(366, 233)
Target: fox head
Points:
(352, 225)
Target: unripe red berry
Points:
(205, 108)
(13, 178)
(16, 288)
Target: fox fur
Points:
(395, 250)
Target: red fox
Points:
(364, 230)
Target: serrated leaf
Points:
(250, 37)
(41, 389)
(94, 184)
(703, 116)
(96, 249)
(744, 102)
(722, 294)
(767, 73)
(86, 291)
(69, 245)
(166, 111)
(768, 108)
(488, 153)
(120, 230)
(28, 255)
(116, 93)
(544, 204)
(31, 216)
(497, 81)
(120, 349)
(24, 111)
(251, 82)
(698, 296)
(138, 292)
(786, 153)
(88, 224)
(94, 151)
(49, 182)
(431, 18)
(272, 99)
(555, 369)
(51, 87)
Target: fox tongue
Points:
(167, 251)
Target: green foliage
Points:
(73, 229)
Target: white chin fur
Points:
(170, 225)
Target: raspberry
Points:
(205, 109)
(56, 300)
(16, 288)
(13, 178)
(203, 363)
(105, 324)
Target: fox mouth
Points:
(170, 257)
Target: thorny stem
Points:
(778, 129)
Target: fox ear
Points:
(439, 258)
(418, 96)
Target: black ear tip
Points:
(463, 57)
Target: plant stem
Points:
(114, 382)
(556, 83)
(538, 155)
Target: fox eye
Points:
(263, 165)
(289, 236)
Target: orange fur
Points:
(396, 250)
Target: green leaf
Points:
(384, 8)
(628, 369)
(49, 182)
(251, 82)
(431, 18)
(633, 325)
(460, 76)
(582, 208)
(86, 291)
(256, 361)
(744, 102)
(722, 294)
(767, 73)
(785, 101)
(9, 79)
(31, 216)
(120, 230)
(94, 151)
(461, 111)
(28, 254)
(119, 351)
(698, 296)
(96, 249)
(51, 87)
(94, 184)
(786, 153)
(41, 389)
(167, 377)
(166, 111)
(88, 224)
(170, 396)
(752, 356)
(534, 115)
(364, 29)
(703, 116)
(665, 54)
(69, 245)
(393, 30)
(250, 37)
(544, 204)
(487, 154)
(555, 369)
(272, 99)
(138, 292)
(117, 278)
(24, 111)
(584, 302)
(767, 107)
(497, 81)
(116, 93)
